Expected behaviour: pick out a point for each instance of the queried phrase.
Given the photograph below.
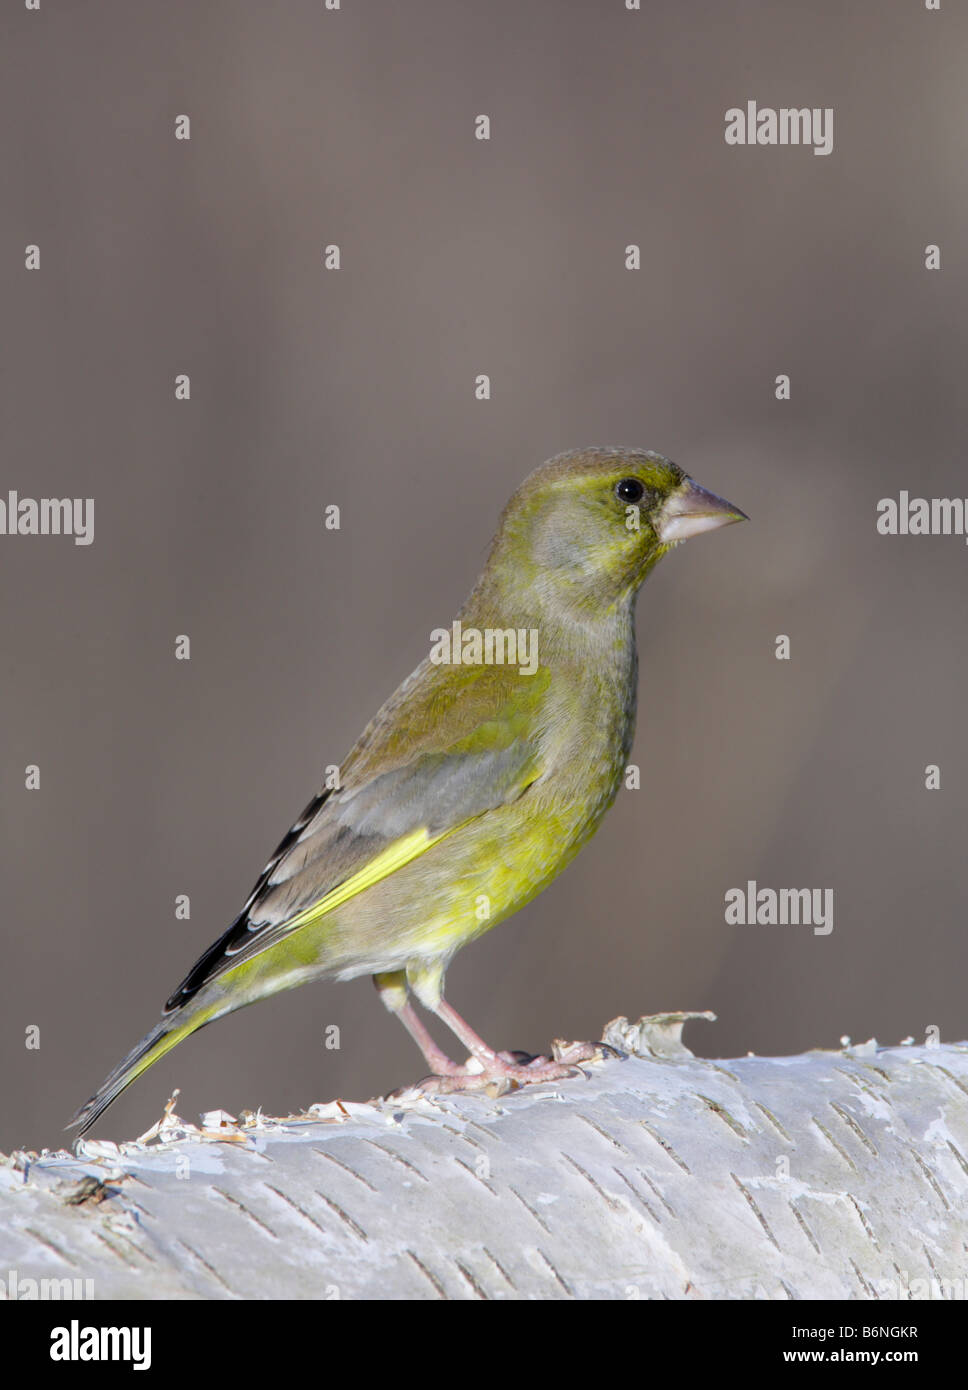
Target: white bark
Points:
(828, 1175)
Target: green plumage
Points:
(474, 785)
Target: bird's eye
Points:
(629, 490)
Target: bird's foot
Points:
(502, 1071)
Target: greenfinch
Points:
(475, 784)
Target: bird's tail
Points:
(154, 1045)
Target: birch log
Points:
(828, 1175)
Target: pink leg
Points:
(463, 1031)
(504, 1066)
(392, 987)
(436, 1059)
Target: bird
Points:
(474, 785)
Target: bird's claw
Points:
(492, 1086)
(514, 1069)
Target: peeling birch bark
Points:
(828, 1175)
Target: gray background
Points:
(310, 387)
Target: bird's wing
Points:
(438, 754)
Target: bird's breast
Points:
(589, 732)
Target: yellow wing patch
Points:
(399, 853)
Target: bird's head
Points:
(587, 527)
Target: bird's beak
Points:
(690, 510)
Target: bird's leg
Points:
(464, 1033)
(392, 988)
(510, 1066)
(427, 983)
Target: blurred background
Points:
(311, 387)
